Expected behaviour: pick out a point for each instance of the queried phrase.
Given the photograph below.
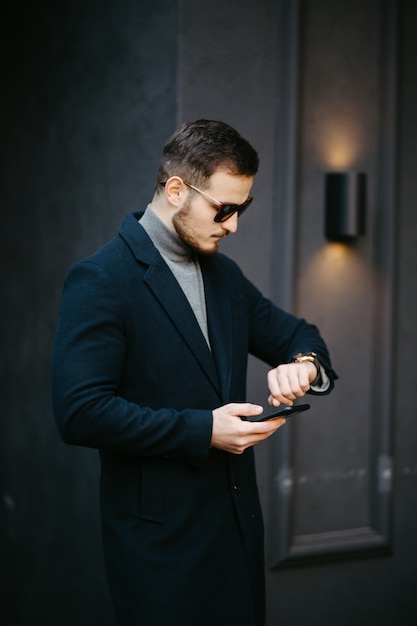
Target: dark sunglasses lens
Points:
(227, 210)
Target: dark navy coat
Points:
(133, 377)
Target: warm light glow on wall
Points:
(335, 269)
(339, 143)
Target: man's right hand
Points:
(232, 434)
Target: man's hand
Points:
(290, 381)
(232, 434)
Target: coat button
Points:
(236, 489)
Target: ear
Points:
(174, 189)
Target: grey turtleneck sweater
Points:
(183, 263)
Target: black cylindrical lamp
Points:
(345, 194)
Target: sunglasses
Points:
(224, 211)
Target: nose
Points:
(231, 223)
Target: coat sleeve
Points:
(276, 336)
(87, 367)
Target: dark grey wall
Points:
(88, 98)
(90, 91)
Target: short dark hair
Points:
(198, 149)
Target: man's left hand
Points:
(290, 381)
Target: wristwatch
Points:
(302, 357)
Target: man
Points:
(149, 367)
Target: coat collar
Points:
(160, 280)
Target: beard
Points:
(184, 225)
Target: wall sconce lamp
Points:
(345, 194)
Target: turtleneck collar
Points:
(167, 242)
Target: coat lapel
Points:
(219, 316)
(171, 297)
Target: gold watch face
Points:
(301, 358)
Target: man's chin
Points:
(208, 251)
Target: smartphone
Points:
(285, 411)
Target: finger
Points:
(255, 433)
(304, 379)
(273, 384)
(281, 386)
(298, 380)
(264, 430)
(245, 409)
(273, 401)
(294, 385)
(281, 380)
(280, 399)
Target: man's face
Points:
(194, 221)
